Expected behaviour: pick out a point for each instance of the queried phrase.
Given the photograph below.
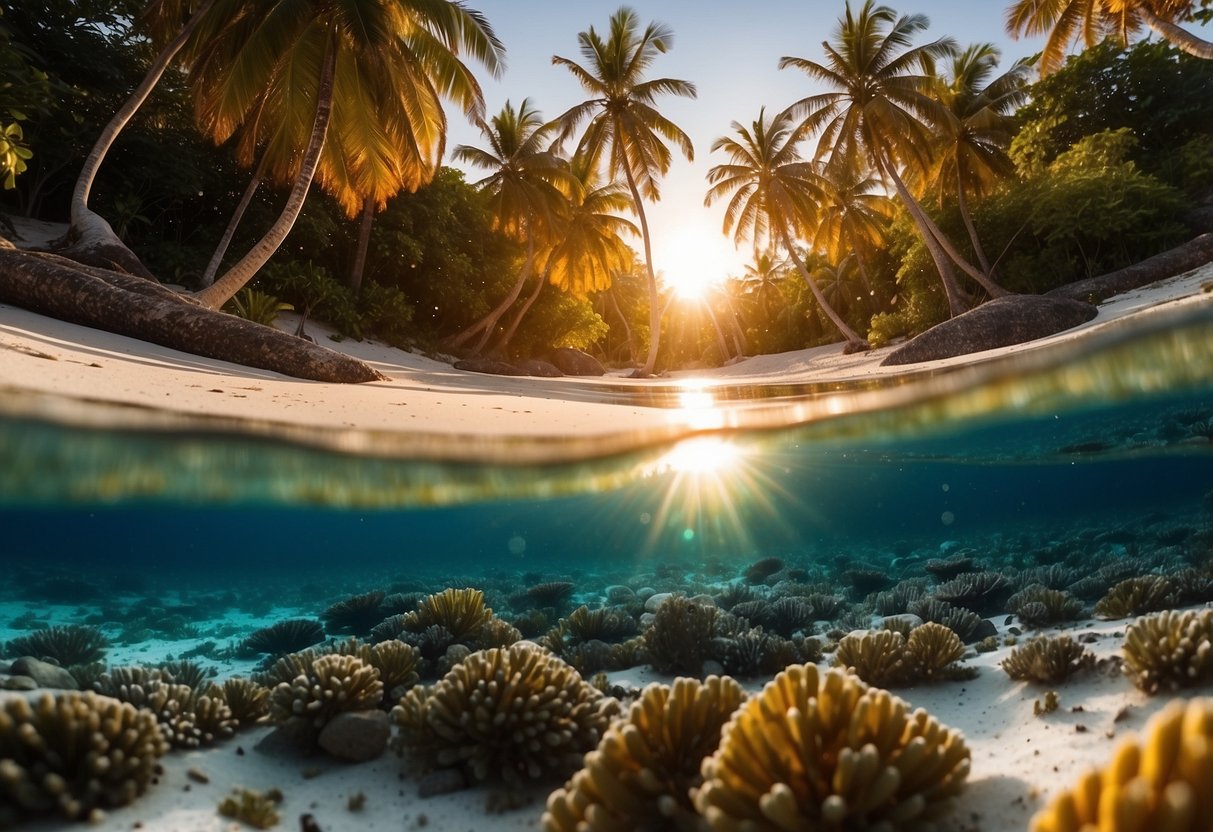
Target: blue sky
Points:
(729, 51)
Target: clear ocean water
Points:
(1020, 464)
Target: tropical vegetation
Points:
(915, 178)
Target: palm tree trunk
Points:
(650, 361)
(962, 204)
(218, 293)
(1182, 38)
(88, 229)
(364, 243)
(957, 303)
(627, 328)
(212, 268)
(508, 335)
(847, 333)
(489, 321)
(725, 355)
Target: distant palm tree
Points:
(761, 280)
(852, 216)
(772, 193)
(524, 196)
(881, 108)
(624, 128)
(1066, 20)
(587, 248)
(377, 69)
(976, 130)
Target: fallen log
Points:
(139, 308)
(1190, 255)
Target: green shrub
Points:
(256, 306)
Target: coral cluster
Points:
(1137, 595)
(641, 774)
(885, 657)
(70, 645)
(284, 637)
(188, 718)
(332, 684)
(822, 750)
(73, 754)
(1170, 650)
(1039, 606)
(514, 713)
(679, 637)
(1047, 660)
(354, 615)
(1158, 782)
(461, 612)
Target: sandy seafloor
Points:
(1019, 759)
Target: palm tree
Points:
(853, 215)
(523, 194)
(881, 107)
(588, 248)
(773, 191)
(1066, 20)
(761, 280)
(378, 69)
(624, 128)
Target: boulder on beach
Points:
(1002, 322)
(573, 362)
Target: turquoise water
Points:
(1116, 435)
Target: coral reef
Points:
(258, 809)
(1135, 596)
(822, 750)
(875, 656)
(981, 592)
(641, 774)
(1170, 650)
(248, 701)
(354, 615)
(70, 645)
(885, 657)
(758, 571)
(332, 684)
(1160, 781)
(678, 639)
(284, 637)
(461, 611)
(1039, 606)
(516, 713)
(961, 621)
(73, 754)
(554, 594)
(584, 624)
(1047, 660)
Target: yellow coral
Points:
(873, 656)
(332, 685)
(821, 750)
(1047, 660)
(1170, 650)
(1160, 782)
(515, 713)
(640, 775)
(460, 611)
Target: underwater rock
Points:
(45, 674)
(357, 736)
(17, 683)
(1014, 319)
(573, 362)
(654, 602)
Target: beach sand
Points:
(1019, 759)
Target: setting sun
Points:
(693, 260)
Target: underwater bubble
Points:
(947, 518)
(516, 545)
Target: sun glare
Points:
(700, 456)
(692, 261)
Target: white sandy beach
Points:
(1019, 760)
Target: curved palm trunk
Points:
(847, 333)
(364, 243)
(721, 344)
(489, 321)
(88, 229)
(217, 294)
(246, 199)
(957, 304)
(627, 328)
(655, 310)
(962, 204)
(510, 330)
(1182, 38)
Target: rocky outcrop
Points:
(573, 362)
(1002, 322)
(538, 367)
(356, 736)
(487, 365)
(44, 674)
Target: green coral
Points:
(73, 754)
(822, 750)
(1160, 781)
(641, 774)
(1170, 650)
(516, 713)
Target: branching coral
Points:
(73, 754)
(1135, 596)
(1047, 660)
(73, 644)
(332, 684)
(1038, 606)
(678, 639)
(980, 592)
(641, 774)
(1170, 650)
(960, 621)
(258, 809)
(875, 656)
(248, 701)
(821, 750)
(284, 637)
(356, 614)
(188, 718)
(514, 713)
(931, 653)
(461, 611)
(498, 633)
(584, 624)
(1160, 781)
(884, 657)
(550, 594)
